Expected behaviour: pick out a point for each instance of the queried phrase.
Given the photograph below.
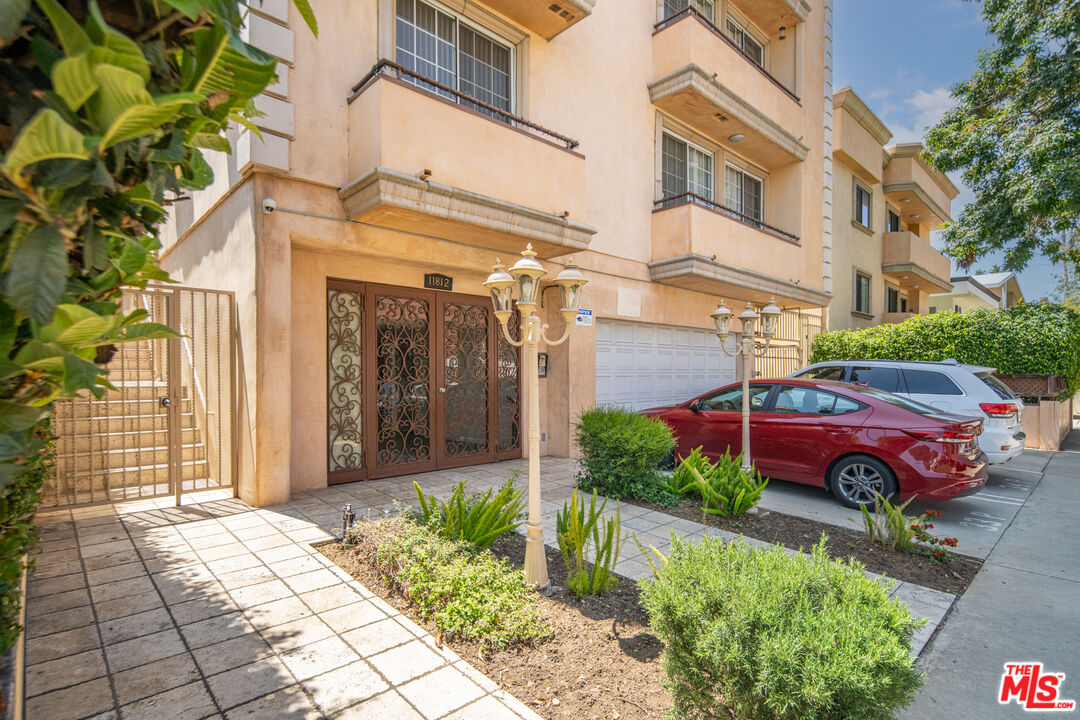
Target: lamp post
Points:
(525, 276)
(748, 349)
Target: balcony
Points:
(910, 261)
(476, 190)
(924, 195)
(701, 245)
(774, 13)
(546, 18)
(705, 81)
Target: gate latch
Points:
(165, 402)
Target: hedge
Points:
(1040, 339)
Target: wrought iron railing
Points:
(693, 198)
(691, 11)
(392, 69)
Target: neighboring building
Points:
(989, 290)
(887, 201)
(677, 152)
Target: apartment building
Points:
(887, 201)
(678, 152)
(990, 290)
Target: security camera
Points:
(269, 206)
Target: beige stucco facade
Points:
(892, 263)
(382, 182)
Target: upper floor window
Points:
(743, 193)
(686, 168)
(862, 293)
(862, 205)
(444, 47)
(894, 221)
(892, 299)
(742, 37)
(674, 7)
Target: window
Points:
(933, 309)
(892, 299)
(928, 382)
(746, 42)
(742, 193)
(826, 372)
(811, 401)
(685, 168)
(901, 401)
(862, 293)
(903, 305)
(442, 47)
(1000, 389)
(730, 400)
(863, 198)
(882, 378)
(673, 7)
(894, 222)
(956, 308)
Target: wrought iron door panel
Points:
(344, 319)
(508, 391)
(466, 379)
(403, 431)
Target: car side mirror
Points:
(695, 406)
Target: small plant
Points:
(620, 455)
(577, 529)
(727, 489)
(467, 593)
(683, 482)
(758, 635)
(478, 519)
(889, 526)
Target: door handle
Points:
(442, 389)
(165, 402)
(837, 430)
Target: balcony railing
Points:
(390, 68)
(691, 11)
(693, 198)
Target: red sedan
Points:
(854, 440)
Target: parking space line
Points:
(993, 498)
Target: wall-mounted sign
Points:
(541, 364)
(436, 281)
(584, 317)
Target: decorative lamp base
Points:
(535, 557)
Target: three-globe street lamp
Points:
(525, 276)
(749, 348)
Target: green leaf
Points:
(45, 137)
(74, 80)
(131, 259)
(72, 37)
(14, 416)
(198, 174)
(124, 48)
(211, 141)
(65, 316)
(304, 8)
(79, 374)
(119, 90)
(12, 13)
(148, 331)
(37, 274)
(9, 208)
(41, 356)
(224, 62)
(137, 120)
(95, 248)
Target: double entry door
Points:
(417, 380)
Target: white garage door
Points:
(641, 365)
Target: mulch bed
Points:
(603, 661)
(795, 532)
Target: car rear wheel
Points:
(858, 479)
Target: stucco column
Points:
(273, 330)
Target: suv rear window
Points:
(928, 382)
(882, 378)
(1000, 389)
(826, 372)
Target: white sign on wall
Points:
(584, 317)
(629, 303)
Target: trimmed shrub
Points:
(472, 595)
(1040, 339)
(478, 519)
(620, 455)
(764, 636)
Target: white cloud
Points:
(930, 106)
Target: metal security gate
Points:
(169, 426)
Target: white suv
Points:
(948, 386)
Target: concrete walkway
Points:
(217, 610)
(1024, 606)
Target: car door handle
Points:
(837, 430)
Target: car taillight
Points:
(998, 409)
(943, 436)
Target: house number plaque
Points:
(435, 281)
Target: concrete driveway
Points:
(978, 521)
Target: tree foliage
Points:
(1014, 134)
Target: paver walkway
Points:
(143, 610)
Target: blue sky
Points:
(902, 58)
